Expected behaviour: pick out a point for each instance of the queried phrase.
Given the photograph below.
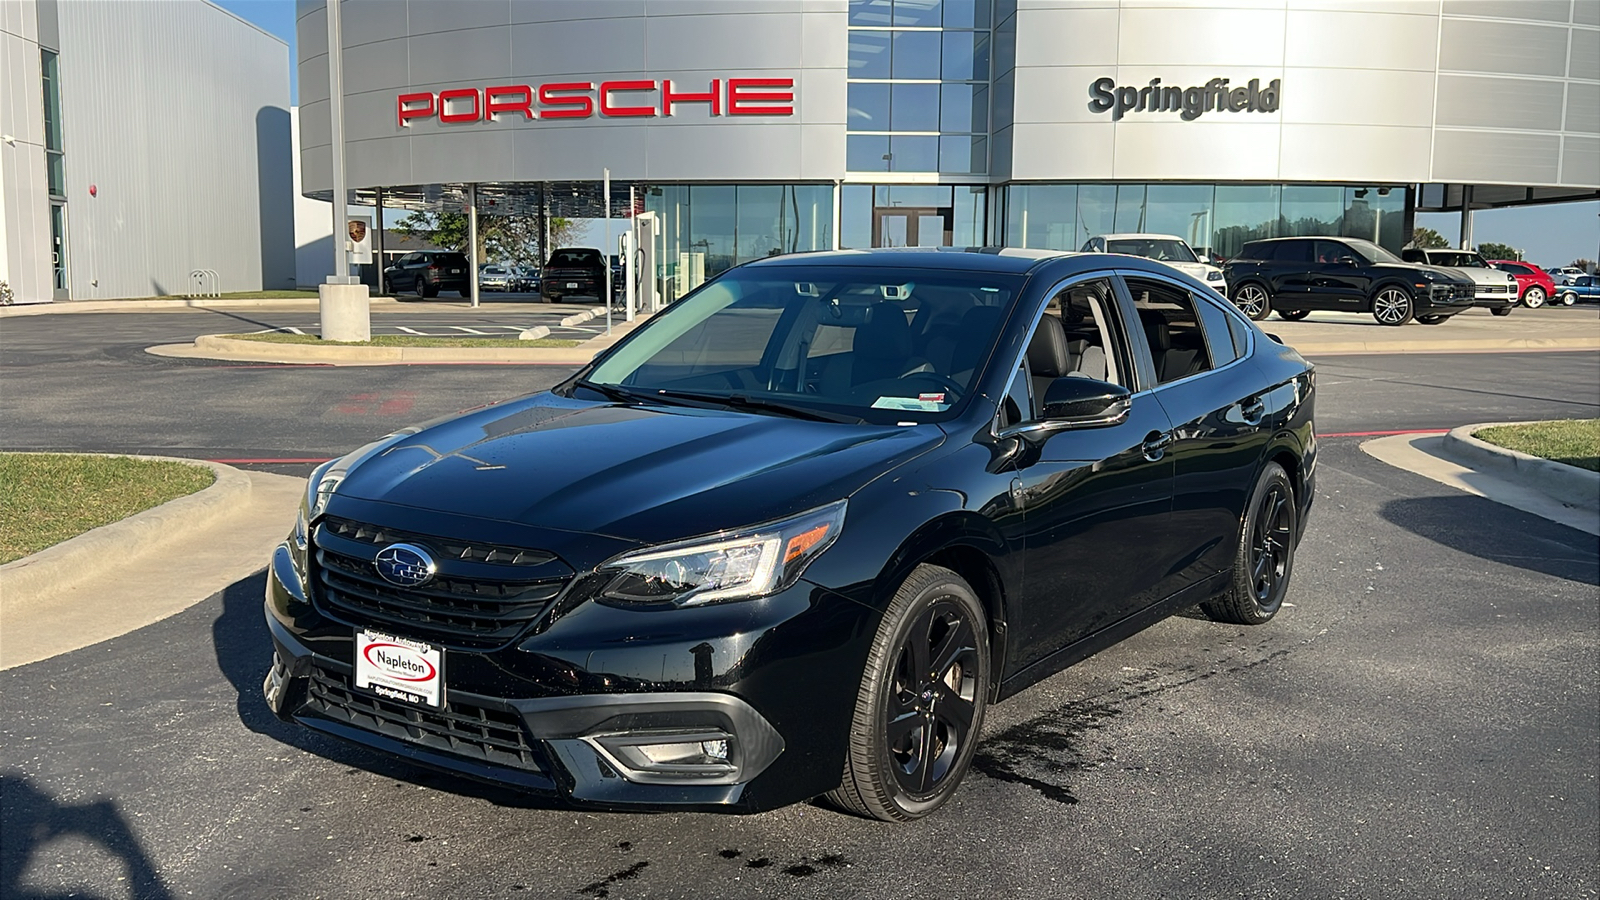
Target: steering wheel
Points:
(952, 388)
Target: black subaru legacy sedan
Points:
(794, 534)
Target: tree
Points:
(1493, 250)
(1428, 239)
(1585, 264)
(512, 239)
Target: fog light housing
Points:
(671, 757)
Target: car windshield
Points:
(1164, 249)
(1458, 259)
(851, 343)
(1372, 252)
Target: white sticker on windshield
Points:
(910, 403)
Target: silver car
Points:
(1166, 248)
(1496, 288)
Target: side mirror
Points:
(1347, 261)
(1071, 400)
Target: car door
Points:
(1095, 501)
(1339, 278)
(1217, 404)
(1290, 278)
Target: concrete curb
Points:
(1457, 345)
(1568, 484)
(215, 346)
(580, 318)
(94, 552)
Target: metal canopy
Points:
(1448, 197)
(561, 199)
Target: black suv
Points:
(574, 271)
(427, 272)
(1298, 275)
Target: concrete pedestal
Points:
(346, 312)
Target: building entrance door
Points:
(901, 226)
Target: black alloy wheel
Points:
(1501, 311)
(922, 699)
(1265, 558)
(1432, 320)
(1294, 315)
(1253, 301)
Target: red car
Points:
(1534, 284)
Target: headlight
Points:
(320, 486)
(752, 562)
(1214, 275)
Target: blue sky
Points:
(1549, 236)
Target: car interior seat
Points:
(881, 350)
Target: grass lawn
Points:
(1575, 442)
(401, 340)
(46, 498)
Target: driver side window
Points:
(1073, 339)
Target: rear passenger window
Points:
(1293, 251)
(1219, 340)
(1240, 332)
(1171, 330)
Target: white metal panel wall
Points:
(178, 113)
(24, 197)
(425, 45)
(1389, 91)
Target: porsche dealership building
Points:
(754, 127)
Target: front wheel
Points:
(1253, 301)
(1294, 315)
(1432, 320)
(1392, 306)
(1265, 558)
(1501, 311)
(1533, 297)
(921, 703)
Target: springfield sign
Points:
(586, 99)
(1189, 102)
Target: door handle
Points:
(1156, 443)
(1253, 410)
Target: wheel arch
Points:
(1389, 282)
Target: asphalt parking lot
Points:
(1423, 721)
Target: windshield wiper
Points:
(742, 401)
(609, 391)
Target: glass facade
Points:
(919, 86)
(1216, 219)
(912, 215)
(708, 228)
(55, 169)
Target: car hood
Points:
(1194, 269)
(638, 473)
(1481, 276)
(1439, 272)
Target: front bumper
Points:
(571, 711)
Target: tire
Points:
(1264, 561)
(1293, 315)
(926, 673)
(1569, 298)
(1501, 311)
(1533, 297)
(1393, 306)
(1433, 320)
(426, 290)
(1253, 300)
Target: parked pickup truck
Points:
(1583, 287)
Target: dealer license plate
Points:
(455, 271)
(399, 669)
(572, 284)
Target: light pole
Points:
(343, 302)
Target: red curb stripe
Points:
(1385, 433)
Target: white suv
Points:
(1167, 248)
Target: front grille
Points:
(483, 596)
(490, 735)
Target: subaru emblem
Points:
(406, 565)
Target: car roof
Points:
(1140, 236)
(973, 259)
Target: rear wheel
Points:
(921, 703)
(1533, 297)
(1569, 298)
(1392, 306)
(1294, 315)
(1432, 320)
(425, 290)
(1501, 311)
(1265, 559)
(1253, 300)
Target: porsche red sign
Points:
(584, 99)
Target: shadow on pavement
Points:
(30, 820)
(243, 649)
(1497, 533)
